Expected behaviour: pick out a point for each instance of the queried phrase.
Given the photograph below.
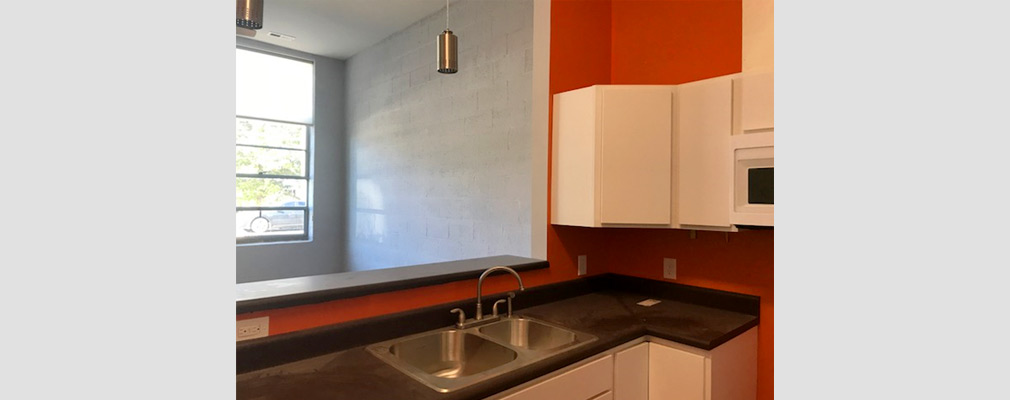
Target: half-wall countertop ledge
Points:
(289, 292)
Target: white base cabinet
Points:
(727, 372)
(589, 381)
(653, 369)
(675, 373)
(631, 373)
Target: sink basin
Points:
(451, 354)
(528, 334)
(448, 359)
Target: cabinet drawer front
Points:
(635, 156)
(581, 383)
(675, 374)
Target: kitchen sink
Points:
(528, 334)
(451, 354)
(451, 358)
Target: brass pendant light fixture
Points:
(249, 14)
(448, 61)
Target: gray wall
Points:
(323, 254)
(440, 164)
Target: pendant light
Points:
(447, 58)
(249, 14)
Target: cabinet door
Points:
(705, 166)
(635, 155)
(675, 374)
(574, 182)
(757, 98)
(605, 396)
(582, 383)
(631, 373)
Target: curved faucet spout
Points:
(480, 284)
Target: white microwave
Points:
(753, 179)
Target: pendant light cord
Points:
(446, 14)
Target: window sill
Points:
(296, 241)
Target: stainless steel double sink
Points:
(451, 358)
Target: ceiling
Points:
(339, 28)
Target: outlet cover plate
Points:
(252, 328)
(670, 268)
(582, 265)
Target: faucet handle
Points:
(512, 295)
(462, 316)
(494, 308)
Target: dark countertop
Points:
(610, 314)
(290, 292)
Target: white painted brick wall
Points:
(446, 157)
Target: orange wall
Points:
(297, 318)
(643, 41)
(661, 42)
(671, 42)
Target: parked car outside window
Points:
(278, 220)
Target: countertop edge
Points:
(467, 269)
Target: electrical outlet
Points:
(252, 328)
(582, 265)
(670, 268)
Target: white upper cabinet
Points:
(757, 102)
(698, 155)
(704, 125)
(644, 156)
(613, 156)
(752, 150)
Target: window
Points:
(273, 128)
(271, 180)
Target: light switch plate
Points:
(252, 328)
(582, 265)
(670, 268)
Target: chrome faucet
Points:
(480, 284)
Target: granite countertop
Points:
(611, 315)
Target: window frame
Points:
(308, 170)
(307, 176)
